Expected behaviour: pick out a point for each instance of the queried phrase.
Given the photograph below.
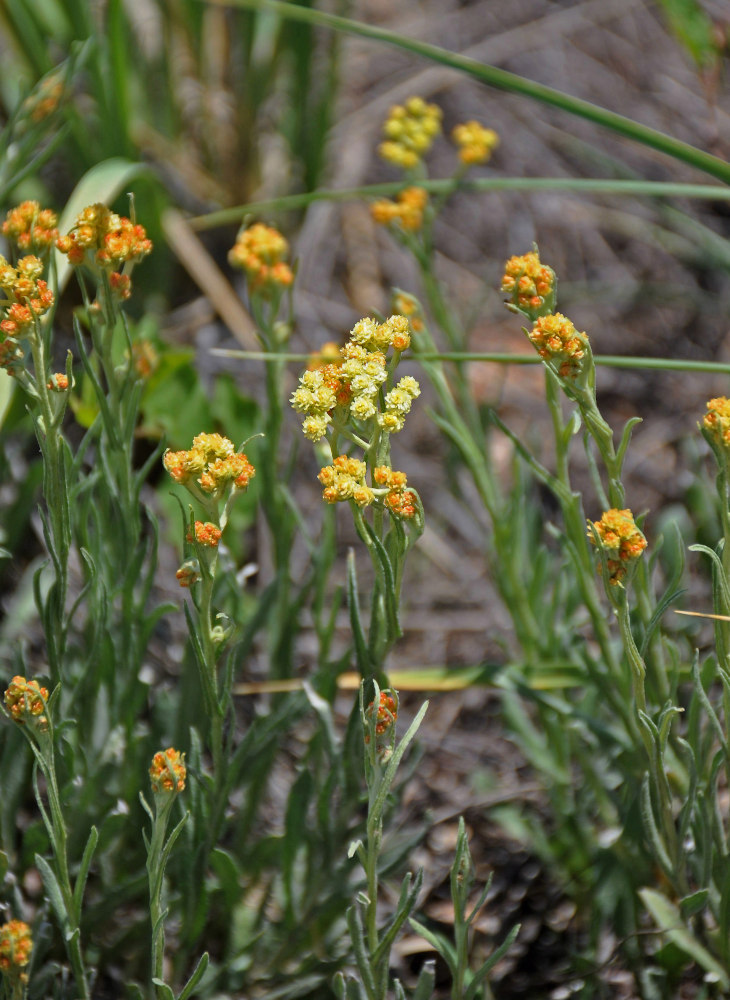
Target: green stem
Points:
(60, 851)
(502, 80)
(478, 185)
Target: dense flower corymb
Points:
(212, 464)
(31, 227)
(168, 772)
(410, 130)
(386, 715)
(407, 210)
(349, 389)
(26, 699)
(620, 539)
(530, 284)
(717, 420)
(104, 239)
(16, 946)
(26, 296)
(557, 340)
(476, 143)
(261, 252)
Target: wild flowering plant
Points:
(354, 405)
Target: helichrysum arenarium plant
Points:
(354, 405)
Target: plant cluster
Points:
(186, 886)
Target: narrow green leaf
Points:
(164, 988)
(198, 973)
(53, 890)
(484, 971)
(443, 946)
(84, 870)
(669, 919)
(362, 657)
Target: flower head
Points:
(26, 700)
(168, 772)
(557, 340)
(620, 539)
(407, 210)
(205, 533)
(531, 285)
(189, 573)
(104, 241)
(58, 382)
(16, 946)
(717, 421)
(260, 251)
(409, 132)
(476, 143)
(27, 296)
(211, 465)
(31, 228)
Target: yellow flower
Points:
(212, 462)
(26, 700)
(31, 227)
(620, 539)
(101, 238)
(407, 210)
(717, 420)
(168, 772)
(476, 143)
(530, 284)
(260, 251)
(410, 130)
(557, 340)
(16, 946)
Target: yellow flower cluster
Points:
(212, 463)
(350, 389)
(407, 210)
(476, 143)
(345, 480)
(204, 533)
(260, 251)
(530, 284)
(556, 339)
(31, 227)
(410, 130)
(101, 238)
(16, 946)
(398, 499)
(26, 295)
(25, 699)
(717, 420)
(189, 573)
(620, 539)
(168, 772)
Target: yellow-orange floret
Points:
(620, 539)
(530, 284)
(407, 210)
(58, 382)
(409, 132)
(101, 238)
(189, 573)
(25, 699)
(168, 772)
(31, 227)
(386, 715)
(16, 946)
(476, 143)
(557, 340)
(206, 533)
(260, 251)
(717, 420)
